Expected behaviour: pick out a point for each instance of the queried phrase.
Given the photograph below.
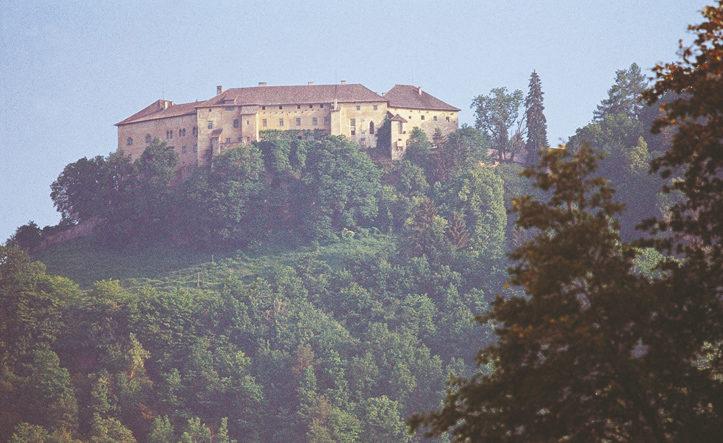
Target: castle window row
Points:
(321, 106)
(297, 122)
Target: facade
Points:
(200, 130)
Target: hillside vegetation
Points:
(295, 291)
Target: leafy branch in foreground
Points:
(569, 363)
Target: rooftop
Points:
(301, 95)
(412, 97)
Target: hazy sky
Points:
(70, 70)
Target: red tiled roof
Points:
(412, 97)
(294, 95)
(160, 109)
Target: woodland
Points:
(303, 290)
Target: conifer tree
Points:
(536, 121)
(624, 97)
(565, 363)
(593, 351)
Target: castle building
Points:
(200, 130)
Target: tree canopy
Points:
(535, 121)
(495, 114)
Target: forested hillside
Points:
(298, 290)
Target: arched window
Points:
(371, 127)
(148, 138)
(129, 142)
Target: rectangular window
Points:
(447, 118)
(321, 105)
(311, 106)
(247, 122)
(281, 122)
(263, 123)
(229, 108)
(228, 139)
(210, 125)
(298, 106)
(281, 107)
(298, 122)
(235, 123)
(375, 107)
(240, 139)
(327, 120)
(352, 122)
(263, 108)
(353, 132)
(358, 107)
(314, 121)
(422, 117)
(435, 118)
(248, 139)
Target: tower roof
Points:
(412, 97)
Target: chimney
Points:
(262, 84)
(343, 82)
(219, 89)
(419, 89)
(311, 83)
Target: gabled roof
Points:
(412, 97)
(396, 118)
(293, 95)
(160, 109)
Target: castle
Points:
(200, 130)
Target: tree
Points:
(496, 113)
(570, 363)
(339, 188)
(624, 97)
(626, 164)
(76, 193)
(220, 205)
(457, 151)
(477, 197)
(536, 121)
(695, 222)
(28, 236)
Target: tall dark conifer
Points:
(536, 121)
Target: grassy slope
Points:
(168, 266)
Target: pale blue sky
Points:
(70, 70)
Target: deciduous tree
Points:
(495, 114)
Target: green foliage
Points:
(76, 193)
(620, 138)
(161, 431)
(28, 236)
(384, 136)
(220, 205)
(339, 189)
(535, 121)
(477, 196)
(419, 150)
(624, 97)
(495, 114)
(570, 348)
(382, 421)
(457, 151)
